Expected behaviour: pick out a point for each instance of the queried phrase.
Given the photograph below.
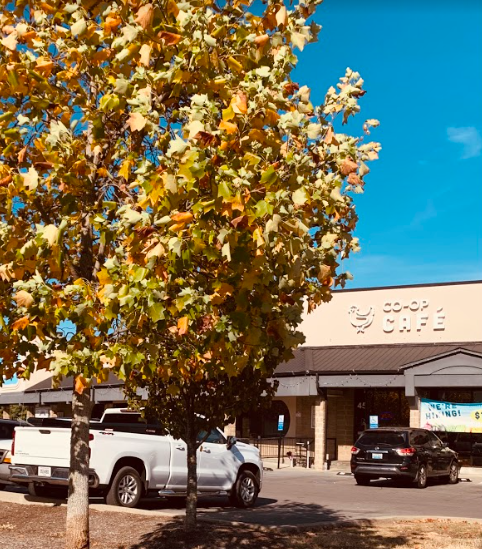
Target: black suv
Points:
(403, 454)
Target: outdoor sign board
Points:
(451, 416)
(373, 422)
(281, 422)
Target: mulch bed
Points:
(42, 527)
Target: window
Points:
(419, 438)
(214, 437)
(386, 438)
(434, 440)
(313, 417)
(6, 431)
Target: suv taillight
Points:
(354, 450)
(12, 451)
(405, 451)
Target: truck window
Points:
(214, 436)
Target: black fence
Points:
(294, 449)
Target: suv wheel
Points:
(453, 477)
(422, 477)
(362, 480)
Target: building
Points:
(376, 356)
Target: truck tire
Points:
(41, 491)
(245, 490)
(3, 486)
(126, 488)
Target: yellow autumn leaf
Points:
(182, 325)
(229, 127)
(239, 103)
(21, 323)
(23, 299)
(80, 384)
(145, 54)
(104, 277)
(282, 16)
(125, 169)
(145, 14)
(11, 41)
(136, 122)
(30, 179)
(44, 66)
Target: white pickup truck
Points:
(130, 459)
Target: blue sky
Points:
(421, 214)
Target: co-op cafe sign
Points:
(413, 315)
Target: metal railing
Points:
(297, 449)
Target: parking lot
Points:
(299, 497)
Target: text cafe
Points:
(381, 357)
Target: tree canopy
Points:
(166, 188)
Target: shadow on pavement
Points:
(336, 534)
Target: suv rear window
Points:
(388, 438)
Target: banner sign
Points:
(450, 416)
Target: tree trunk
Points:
(191, 501)
(77, 528)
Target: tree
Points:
(168, 190)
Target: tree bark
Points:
(77, 533)
(191, 501)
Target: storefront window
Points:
(389, 406)
(265, 423)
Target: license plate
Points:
(44, 471)
(377, 456)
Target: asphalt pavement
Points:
(295, 497)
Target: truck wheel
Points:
(245, 491)
(126, 488)
(3, 486)
(39, 491)
(422, 477)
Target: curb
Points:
(23, 499)
(335, 524)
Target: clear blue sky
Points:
(421, 214)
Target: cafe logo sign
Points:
(400, 316)
(361, 320)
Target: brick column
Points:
(320, 433)
(414, 403)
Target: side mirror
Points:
(231, 442)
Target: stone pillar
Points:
(414, 403)
(320, 432)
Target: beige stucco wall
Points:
(425, 314)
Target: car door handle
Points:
(182, 448)
(206, 450)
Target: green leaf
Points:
(109, 102)
(269, 176)
(156, 312)
(223, 190)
